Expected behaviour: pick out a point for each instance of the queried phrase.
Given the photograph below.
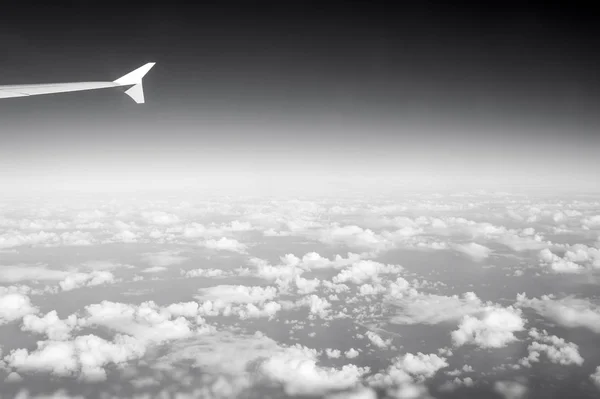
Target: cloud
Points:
(377, 340)
(229, 294)
(84, 357)
(365, 270)
(413, 307)
(163, 259)
(558, 264)
(595, 377)
(569, 311)
(14, 306)
(493, 328)
(22, 272)
(510, 389)
(351, 353)
(473, 250)
(297, 370)
(203, 273)
(224, 244)
(50, 325)
(556, 349)
(408, 370)
(155, 269)
(78, 280)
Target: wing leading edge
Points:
(132, 82)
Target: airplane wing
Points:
(132, 82)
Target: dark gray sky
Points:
(470, 94)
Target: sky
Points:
(318, 200)
(266, 95)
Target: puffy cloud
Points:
(84, 357)
(475, 251)
(78, 280)
(155, 269)
(493, 328)
(18, 273)
(228, 294)
(596, 377)
(14, 306)
(224, 244)
(351, 353)
(407, 369)
(297, 370)
(365, 270)
(558, 264)
(569, 311)
(146, 322)
(377, 340)
(203, 273)
(333, 353)
(313, 260)
(50, 325)
(354, 236)
(556, 349)
(417, 308)
(510, 389)
(317, 306)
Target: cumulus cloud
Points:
(365, 270)
(84, 357)
(50, 325)
(595, 377)
(297, 370)
(493, 328)
(556, 349)
(413, 307)
(224, 244)
(78, 280)
(408, 370)
(569, 311)
(237, 294)
(510, 389)
(22, 272)
(14, 306)
(377, 340)
(475, 251)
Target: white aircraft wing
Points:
(132, 82)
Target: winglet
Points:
(134, 79)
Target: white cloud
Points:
(493, 328)
(297, 370)
(351, 353)
(558, 264)
(14, 306)
(22, 272)
(475, 251)
(510, 389)
(203, 273)
(84, 357)
(556, 349)
(595, 377)
(50, 325)
(224, 244)
(78, 280)
(377, 340)
(365, 270)
(569, 311)
(418, 308)
(333, 353)
(155, 269)
(229, 294)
